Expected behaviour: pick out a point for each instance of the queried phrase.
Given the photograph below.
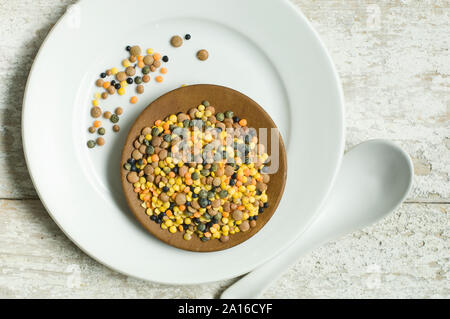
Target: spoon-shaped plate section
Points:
(374, 179)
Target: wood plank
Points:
(405, 255)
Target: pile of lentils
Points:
(113, 80)
(212, 196)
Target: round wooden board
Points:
(223, 99)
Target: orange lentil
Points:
(243, 122)
(167, 132)
(172, 174)
(186, 190)
(247, 172)
(187, 175)
(225, 214)
(196, 214)
(180, 228)
(141, 64)
(241, 207)
(163, 70)
(137, 189)
(188, 182)
(106, 85)
(97, 124)
(133, 100)
(207, 234)
(182, 208)
(155, 158)
(169, 213)
(238, 183)
(140, 58)
(166, 126)
(158, 122)
(159, 79)
(157, 56)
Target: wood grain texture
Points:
(405, 255)
(394, 61)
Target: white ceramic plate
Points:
(265, 49)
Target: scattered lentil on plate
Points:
(203, 55)
(96, 112)
(176, 41)
(118, 111)
(135, 51)
(100, 141)
(140, 89)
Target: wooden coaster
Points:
(223, 99)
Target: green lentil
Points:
(155, 131)
(204, 172)
(101, 131)
(206, 103)
(138, 80)
(114, 118)
(167, 138)
(220, 117)
(150, 150)
(146, 70)
(195, 176)
(91, 144)
(229, 114)
(127, 166)
(203, 194)
(223, 194)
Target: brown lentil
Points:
(202, 55)
(148, 60)
(107, 115)
(176, 41)
(157, 64)
(140, 89)
(130, 71)
(100, 141)
(118, 111)
(111, 90)
(99, 83)
(135, 51)
(121, 76)
(96, 112)
(116, 128)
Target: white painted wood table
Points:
(394, 61)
